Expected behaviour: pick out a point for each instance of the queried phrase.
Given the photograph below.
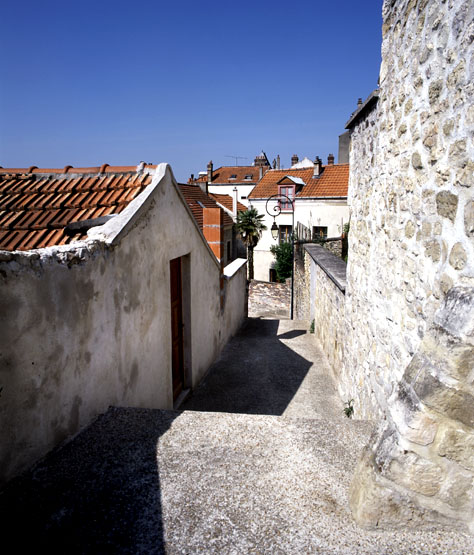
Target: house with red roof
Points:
(114, 290)
(319, 196)
(233, 180)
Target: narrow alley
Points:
(259, 460)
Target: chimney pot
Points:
(359, 102)
(330, 159)
(318, 167)
(294, 159)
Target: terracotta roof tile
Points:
(227, 202)
(36, 206)
(332, 182)
(196, 199)
(223, 175)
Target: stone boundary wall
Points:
(269, 299)
(409, 353)
(320, 297)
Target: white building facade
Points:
(320, 205)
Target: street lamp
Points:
(276, 211)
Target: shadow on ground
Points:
(100, 493)
(255, 374)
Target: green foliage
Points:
(284, 260)
(311, 327)
(346, 228)
(249, 226)
(349, 408)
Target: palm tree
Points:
(250, 226)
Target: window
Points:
(288, 191)
(285, 233)
(233, 176)
(249, 177)
(228, 251)
(319, 232)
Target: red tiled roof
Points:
(333, 182)
(227, 202)
(196, 199)
(223, 175)
(36, 204)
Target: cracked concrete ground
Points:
(267, 473)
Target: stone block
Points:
(456, 316)
(434, 91)
(414, 473)
(447, 205)
(416, 161)
(453, 403)
(458, 490)
(458, 445)
(433, 250)
(458, 257)
(376, 505)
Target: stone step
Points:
(150, 481)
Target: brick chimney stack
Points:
(294, 159)
(318, 167)
(359, 102)
(330, 159)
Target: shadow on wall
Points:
(100, 493)
(256, 374)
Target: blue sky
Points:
(86, 83)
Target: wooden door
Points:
(177, 326)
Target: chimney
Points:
(318, 167)
(213, 230)
(359, 103)
(330, 159)
(234, 203)
(278, 161)
(209, 172)
(260, 172)
(191, 179)
(294, 159)
(344, 144)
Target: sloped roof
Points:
(223, 175)
(333, 182)
(196, 199)
(227, 202)
(36, 204)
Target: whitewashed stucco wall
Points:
(88, 326)
(330, 213)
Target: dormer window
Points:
(286, 191)
(233, 176)
(249, 177)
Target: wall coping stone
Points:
(332, 265)
(232, 268)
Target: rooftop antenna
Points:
(237, 158)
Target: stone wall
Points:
(409, 305)
(320, 297)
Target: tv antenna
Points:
(237, 158)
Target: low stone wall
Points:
(269, 299)
(320, 297)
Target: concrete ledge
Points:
(232, 268)
(332, 265)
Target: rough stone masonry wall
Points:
(410, 324)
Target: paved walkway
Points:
(260, 462)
